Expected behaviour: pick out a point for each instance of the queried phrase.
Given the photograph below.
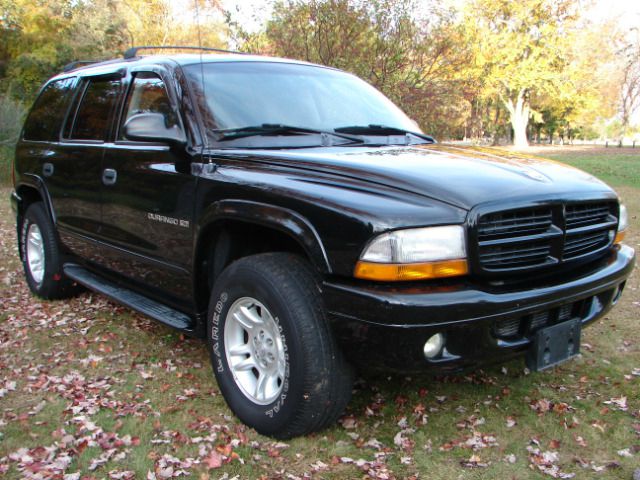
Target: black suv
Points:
(297, 219)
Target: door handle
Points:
(40, 153)
(109, 176)
(47, 169)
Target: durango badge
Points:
(171, 221)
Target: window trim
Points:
(72, 111)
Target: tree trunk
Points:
(519, 118)
(496, 140)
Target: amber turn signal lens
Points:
(619, 237)
(398, 272)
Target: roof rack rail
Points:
(133, 51)
(77, 64)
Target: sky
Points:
(627, 12)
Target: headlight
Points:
(623, 223)
(414, 254)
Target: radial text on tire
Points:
(271, 348)
(41, 257)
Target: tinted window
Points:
(47, 114)
(94, 112)
(148, 95)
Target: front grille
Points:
(508, 256)
(528, 324)
(509, 327)
(526, 238)
(577, 245)
(565, 311)
(589, 214)
(539, 320)
(518, 222)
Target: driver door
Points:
(148, 203)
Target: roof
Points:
(180, 59)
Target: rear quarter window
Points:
(47, 114)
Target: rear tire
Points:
(41, 257)
(272, 351)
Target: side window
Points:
(148, 95)
(46, 117)
(94, 113)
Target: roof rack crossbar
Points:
(133, 51)
(77, 64)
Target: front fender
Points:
(279, 218)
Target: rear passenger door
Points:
(75, 183)
(39, 148)
(147, 211)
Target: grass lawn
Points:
(90, 388)
(616, 166)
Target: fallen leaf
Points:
(213, 460)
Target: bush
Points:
(12, 115)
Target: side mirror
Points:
(151, 127)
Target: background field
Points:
(88, 386)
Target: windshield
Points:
(245, 94)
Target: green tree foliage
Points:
(630, 80)
(523, 48)
(417, 62)
(587, 88)
(482, 72)
(42, 36)
(492, 69)
(38, 37)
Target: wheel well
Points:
(28, 195)
(227, 241)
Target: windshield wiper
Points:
(382, 130)
(267, 129)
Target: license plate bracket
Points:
(554, 345)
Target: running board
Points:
(129, 298)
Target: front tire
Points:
(272, 351)
(41, 258)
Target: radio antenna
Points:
(204, 95)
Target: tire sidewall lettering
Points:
(26, 225)
(285, 382)
(219, 359)
(23, 239)
(215, 332)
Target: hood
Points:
(460, 176)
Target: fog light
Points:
(433, 346)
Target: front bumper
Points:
(386, 326)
